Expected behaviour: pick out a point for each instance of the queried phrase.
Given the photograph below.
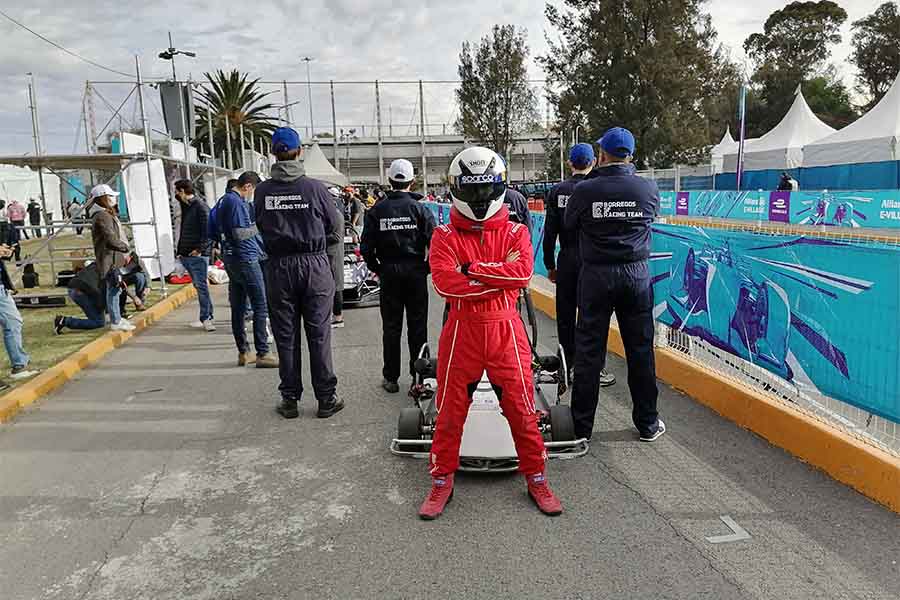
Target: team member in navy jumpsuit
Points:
(295, 216)
(613, 213)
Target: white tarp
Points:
(140, 209)
(318, 167)
(874, 137)
(782, 147)
(23, 184)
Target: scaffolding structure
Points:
(94, 161)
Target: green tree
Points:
(231, 96)
(653, 67)
(793, 47)
(829, 98)
(496, 102)
(876, 52)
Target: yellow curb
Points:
(867, 469)
(65, 370)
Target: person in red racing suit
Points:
(479, 267)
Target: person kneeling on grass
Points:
(87, 290)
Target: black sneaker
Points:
(331, 408)
(657, 432)
(391, 387)
(59, 322)
(287, 409)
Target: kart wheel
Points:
(409, 427)
(562, 425)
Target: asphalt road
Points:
(164, 473)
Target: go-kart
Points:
(361, 287)
(487, 443)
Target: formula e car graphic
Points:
(843, 213)
(715, 297)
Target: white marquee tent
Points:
(875, 137)
(23, 184)
(782, 147)
(728, 145)
(318, 167)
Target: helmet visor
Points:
(478, 191)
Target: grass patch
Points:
(41, 343)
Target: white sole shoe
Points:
(660, 429)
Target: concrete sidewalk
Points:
(163, 472)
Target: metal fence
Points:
(683, 178)
(857, 422)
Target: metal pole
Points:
(287, 114)
(312, 126)
(378, 125)
(180, 111)
(187, 129)
(228, 141)
(422, 128)
(89, 99)
(337, 159)
(146, 128)
(212, 147)
(562, 174)
(84, 111)
(36, 130)
(241, 133)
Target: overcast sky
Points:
(350, 40)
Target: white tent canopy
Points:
(728, 145)
(23, 184)
(782, 147)
(874, 137)
(318, 167)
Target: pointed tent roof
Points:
(726, 146)
(782, 147)
(318, 167)
(874, 137)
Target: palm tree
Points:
(230, 96)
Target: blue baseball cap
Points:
(618, 141)
(285, 139)
(581, 155)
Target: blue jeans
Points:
(94, 313)
(197, 266)
(246, 283)
(11, 322)
(112, 296)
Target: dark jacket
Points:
(240, 237)
(554, 226)
(336, 239)
(612, 213)
(89, 282)
(397, 232)
(194, 228)
(518, 208)
(294, 214)
(109, 247)
(5, 279)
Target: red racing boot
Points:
(540, 493)
(440, 495)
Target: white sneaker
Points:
(197, 324)
(122, 325)
(23, 374)
(209, 326)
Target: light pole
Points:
(577, 129)
(312, 127)
(169, 54)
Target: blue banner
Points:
(878, 209)
(818, 313)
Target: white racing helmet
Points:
(477, 180)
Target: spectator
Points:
(4, 224)
(295, 216)
(16, 214)
(11, 322)
(335, 251)
(87, 290)
(134, 274)
(76, 212)
(193, 248)
(110, 250)
(243, 252)
(34, 216)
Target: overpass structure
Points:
(358, 158)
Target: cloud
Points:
(351, 40)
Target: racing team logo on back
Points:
(562, 201)
(292, 202)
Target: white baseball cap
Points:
(102, 190)
(401, 170)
